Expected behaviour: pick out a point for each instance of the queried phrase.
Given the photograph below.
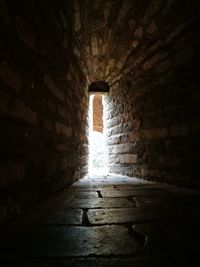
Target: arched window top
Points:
(99, 87)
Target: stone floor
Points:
(107, 221)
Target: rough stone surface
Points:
(127, 193)
(50, 216)
(93, 203)
(70, 241)
(137, 215)
(51, 51)
(42, 114)
(161, 233)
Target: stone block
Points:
(11, 172)
(164, 66)
(10, 77)
(178, 130)
(56, 91)
(54, 242)
(126, 191)
(95, 203)
(155, 133)
(135, 43)
(135, 136)
(170, 161)
(152, 28)
(126, 6)
(62, 147)
(61, 129)
(128, 159)
(155, 173)
(25, 33)
(152, 120)
(62, 111)
(47, 124)
(77, 17)
(16, 109)
(138, 32)
(155, 59)
(134, 215)
(52, 217)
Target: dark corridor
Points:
(51, 54)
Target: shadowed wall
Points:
(51, 51)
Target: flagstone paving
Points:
(107, 221)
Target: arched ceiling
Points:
(114, 38)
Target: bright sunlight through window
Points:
(97, 157)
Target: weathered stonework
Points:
(151, 112)
(51, 51)
(151, 116)
(40, 146)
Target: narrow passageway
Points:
(140, 61)
(104, 221)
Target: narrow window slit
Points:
(97, 157)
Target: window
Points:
(97, 162)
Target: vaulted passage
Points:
(143, 57)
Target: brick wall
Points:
(50, 51)
(152, 116)
(43, 106)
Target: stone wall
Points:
(43, 105)
(50, 51)
(152, 113)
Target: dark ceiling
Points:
(113, 38)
